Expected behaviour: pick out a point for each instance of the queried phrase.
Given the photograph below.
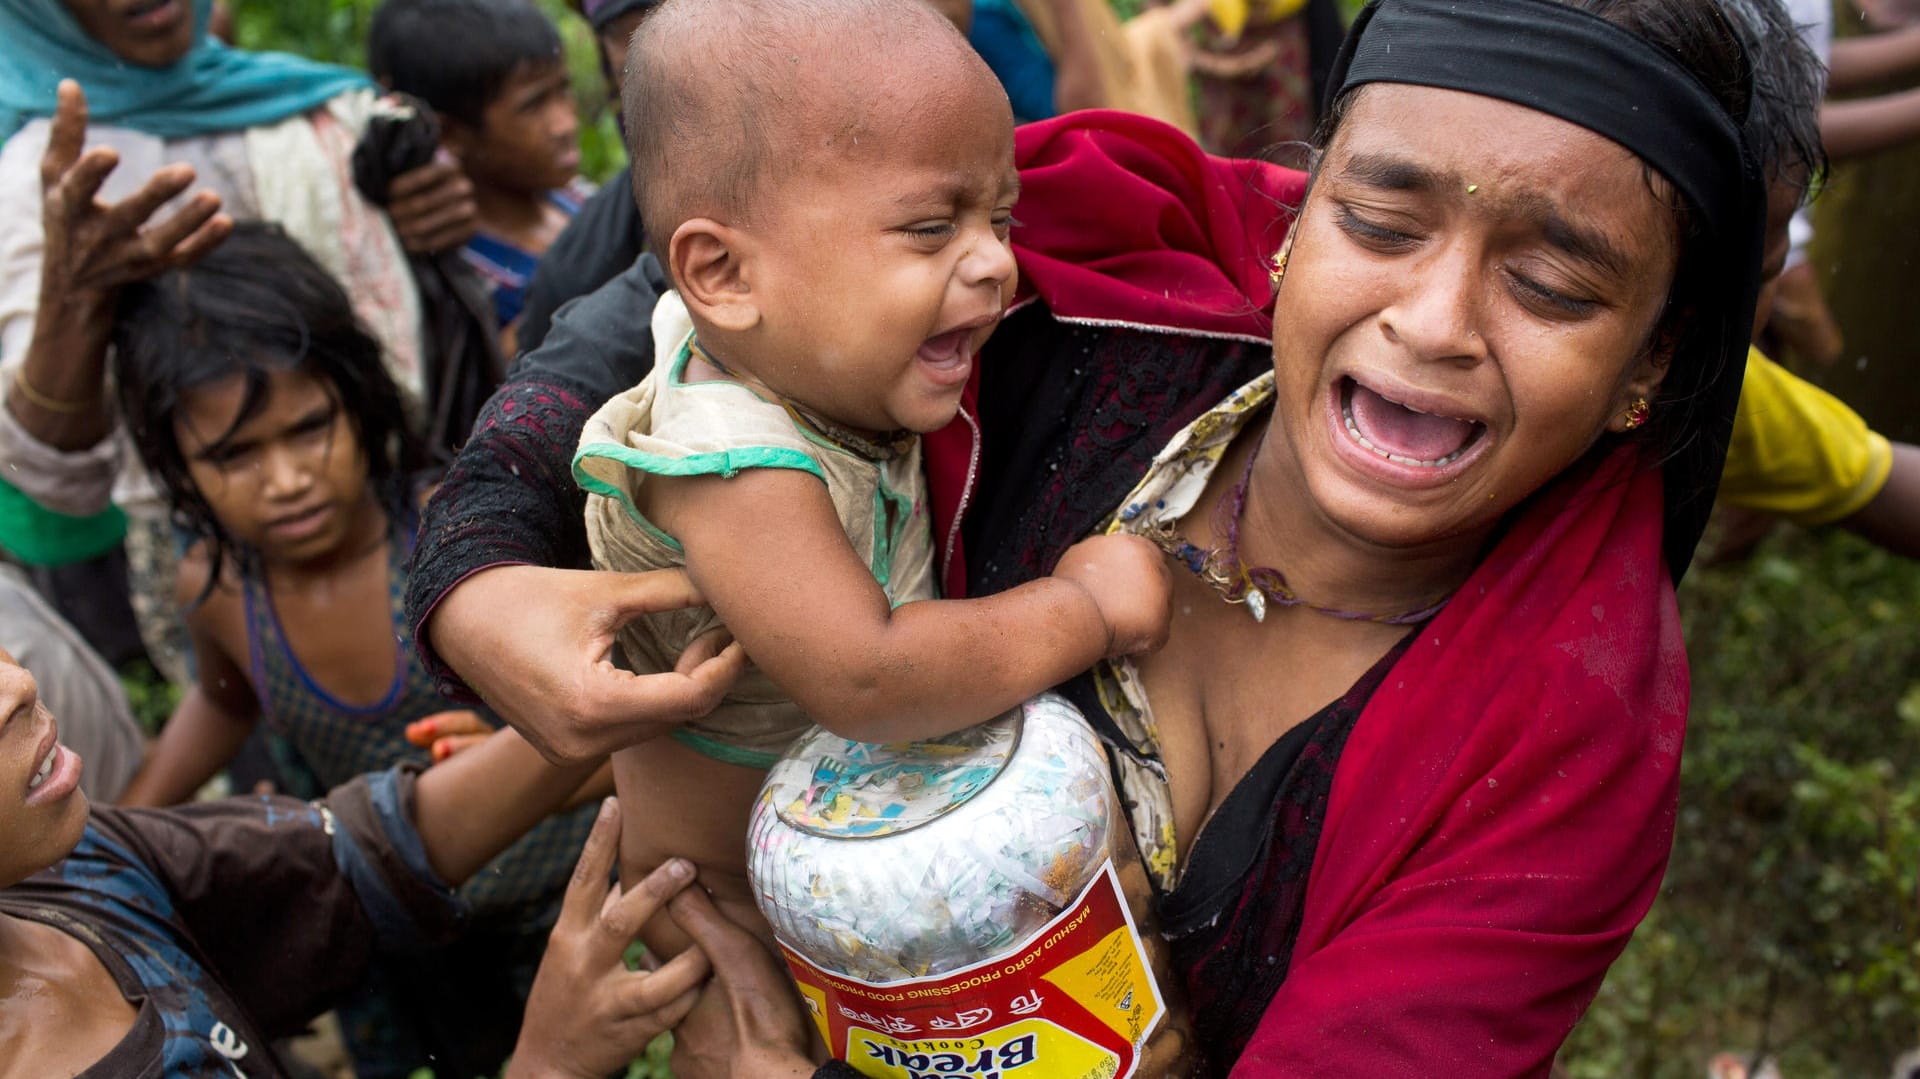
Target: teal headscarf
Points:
(213, 88)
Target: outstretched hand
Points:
(93, 247)
(588, 1015)
(534, 643)
(748, 1022)
(90, 248)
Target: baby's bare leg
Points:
(676, 802)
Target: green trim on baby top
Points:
(723, 463)
(722, 752)
(886, 539)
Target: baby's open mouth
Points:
(948, 349)
(1404, 435)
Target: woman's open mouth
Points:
(1396, 443)
(1402, 434)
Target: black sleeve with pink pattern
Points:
(509, 497)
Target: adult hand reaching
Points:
(588, 1015)
(91, 249)
(748, 1022)
(534, 644)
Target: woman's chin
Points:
(1394, 518)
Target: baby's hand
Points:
(1127, 578)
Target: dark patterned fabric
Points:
(462, 1005)
(340, 741)
(509, 497)
(336, 740)
(1070, 417)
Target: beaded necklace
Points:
(1221, 568)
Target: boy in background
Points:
(493, 72)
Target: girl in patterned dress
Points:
(261, 407)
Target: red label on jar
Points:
(1076, 1000)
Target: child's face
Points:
(529, 138)
(291, 481)
(880, 272)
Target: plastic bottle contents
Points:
(970, 906)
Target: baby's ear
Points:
(707, 260)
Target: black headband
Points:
(1564, 62)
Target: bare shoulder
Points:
(206, 601)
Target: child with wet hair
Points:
(830, 184)
(494, 74)
(258, 403)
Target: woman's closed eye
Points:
(1546, 299)
(1372, 234)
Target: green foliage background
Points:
(1788, 919)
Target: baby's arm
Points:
(213, 718)
(769, 553)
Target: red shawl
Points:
(1502, 812)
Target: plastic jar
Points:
(970, 906)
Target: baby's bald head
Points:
(721, 96)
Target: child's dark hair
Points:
(257, 304)
(455, 55)
(1789, 80)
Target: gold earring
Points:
(1637, 413)
(1277, 268)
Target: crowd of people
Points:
(924, 357)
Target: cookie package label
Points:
(1075, 1000)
